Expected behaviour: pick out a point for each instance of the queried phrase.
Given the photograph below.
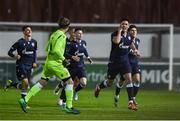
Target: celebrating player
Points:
(119, 61)
(77, 67)
(55, 64)
(136, 70)
(72, 36)
(25, 60)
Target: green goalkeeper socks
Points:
(33, 91)
(69, 95)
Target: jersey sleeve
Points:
(12, 49)
(113, 35)
(67, 51)
(35, 52)
(85, 50)
(86, 53)
(138, 42)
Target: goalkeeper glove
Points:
(65, 63)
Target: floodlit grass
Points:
(153, 105)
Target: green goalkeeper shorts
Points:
(52, 68)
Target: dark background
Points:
(91, 11)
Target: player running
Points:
(77, 67)
(72, 37)
(136, 69)
(55, 64)
(119, 61)
(25, 60)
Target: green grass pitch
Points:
(153, 105)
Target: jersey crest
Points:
(33, 44)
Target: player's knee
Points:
(122, 81)
(25, 83)
(136, 80)
(110, 83)
(43, 82)
(128, 77)
(68, 80)
(83, 82)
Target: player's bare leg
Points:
(82, 84)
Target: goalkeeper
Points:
(55, 64)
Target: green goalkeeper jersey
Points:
(56, 47)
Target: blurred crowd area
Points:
(91, 11)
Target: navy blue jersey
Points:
(27, 51)
(119, 52)
(133, 58)
(78, 48)
(67, 49)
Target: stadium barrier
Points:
(154, 76)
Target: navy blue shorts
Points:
(77, 72)
(118, 68)
(135, 69)
(23, 71)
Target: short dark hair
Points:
(132, 26)
(24, 27)
(79, 28)
(124, 19)
(63, 22)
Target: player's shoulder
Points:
(61, 34)
(127, 36)
(114, 33)
(20, 40)
(83, 41)
(58, 34)
(33, 40)
(138, 40)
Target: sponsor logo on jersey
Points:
(123, 46)
(27, 52)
